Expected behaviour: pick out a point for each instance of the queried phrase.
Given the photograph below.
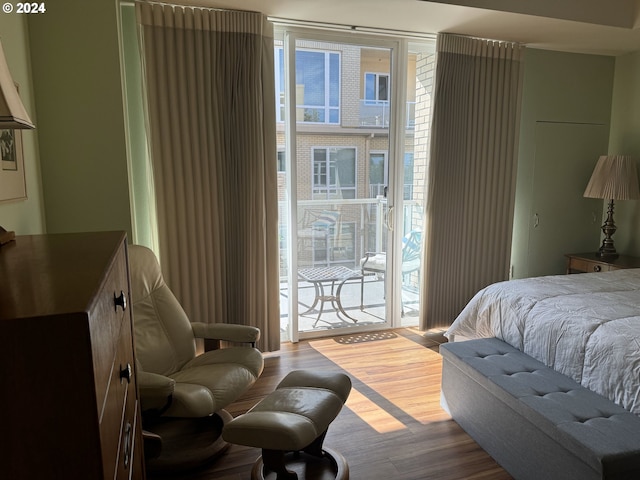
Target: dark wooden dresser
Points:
(68, 401)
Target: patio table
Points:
(334, 275)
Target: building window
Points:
(377, 173)
(376, 87)
(282, 161)
(317, 86)
(334, 172)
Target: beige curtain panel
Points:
(471, 188)
(211, 120)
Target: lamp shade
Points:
(614, 178)
(12, 112)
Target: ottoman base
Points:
(330, 466)
(290, 425)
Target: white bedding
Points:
(585, 326)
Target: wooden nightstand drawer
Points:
(591, 263)
(581, 265)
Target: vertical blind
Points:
(471, 187)
(211, 121)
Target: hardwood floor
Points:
(392, 426)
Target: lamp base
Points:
(604, 253)
(607, 249)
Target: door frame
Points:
(398, 48)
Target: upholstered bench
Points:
(292, 421)
(534, 421)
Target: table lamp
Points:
(12, 116)
(614, 178)
(12, 112)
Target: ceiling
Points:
(607, 27)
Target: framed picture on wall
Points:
(12, 179)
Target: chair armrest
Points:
(367, 256)
(155, 390)
(226, 331)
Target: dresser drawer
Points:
(120, 401)
(129, 455)
(106, 318)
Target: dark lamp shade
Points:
(12, 112)
(614, 178)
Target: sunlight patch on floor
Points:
(393, 381)
(374, 416)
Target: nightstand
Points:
(590, 262)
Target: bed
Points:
(548, 379)
(584, 326)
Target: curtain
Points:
(210, 97)
(471, 187)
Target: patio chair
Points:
(375, 263)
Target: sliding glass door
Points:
(350, 216)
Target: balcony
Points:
(338, 233)
(375, 113)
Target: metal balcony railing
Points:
(376, 189)
(356, 226)
(375, 113)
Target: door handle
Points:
(389, 220)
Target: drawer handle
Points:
(597, 268)
(126, 454)
(120, 301)
(126, 373)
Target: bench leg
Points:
(274, 461)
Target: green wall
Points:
(564, 88)
(75, 55)
(625, 140)
(23, 216)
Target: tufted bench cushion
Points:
(535, 422)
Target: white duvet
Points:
(585, 326)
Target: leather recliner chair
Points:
(178, 387)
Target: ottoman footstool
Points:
(294, 418)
